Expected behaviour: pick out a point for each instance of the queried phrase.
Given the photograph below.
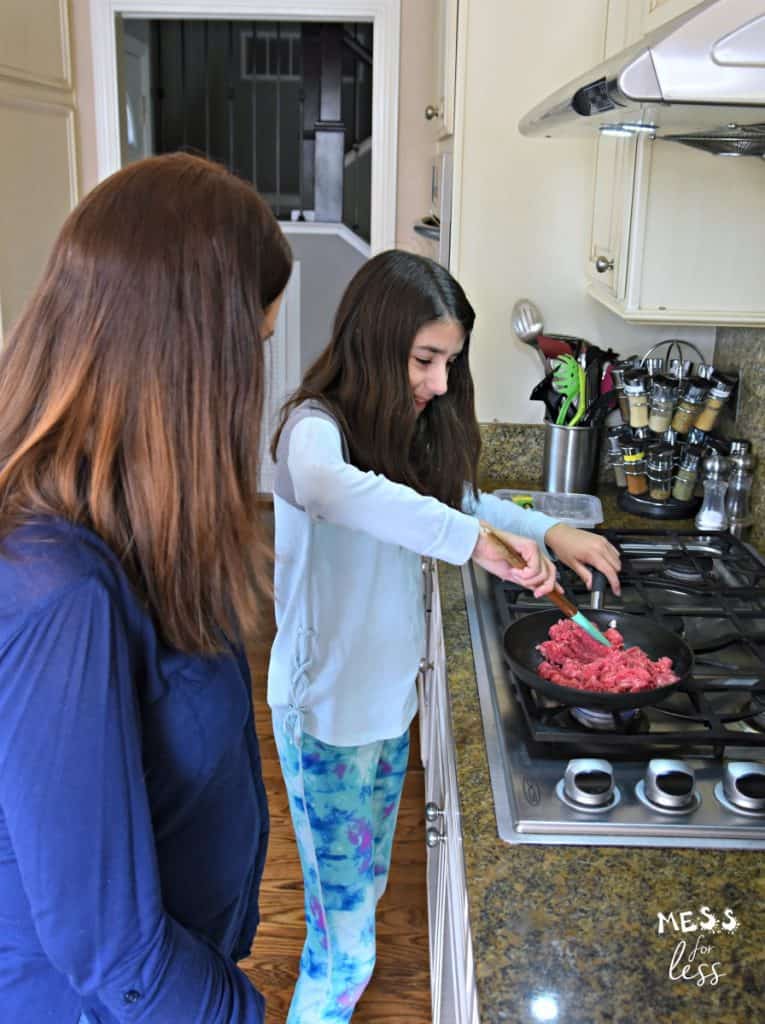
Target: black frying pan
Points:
(521, 639)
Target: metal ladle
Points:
(527, 324)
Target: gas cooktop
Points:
(687, 771)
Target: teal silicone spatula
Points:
(567, 607)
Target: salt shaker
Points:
(712, 514)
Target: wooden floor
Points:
(399, 992)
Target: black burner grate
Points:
(710, 588)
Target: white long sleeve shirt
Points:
(348, 582)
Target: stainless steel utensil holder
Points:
(570, 458)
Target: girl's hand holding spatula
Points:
(539, 573)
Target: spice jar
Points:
(712, 514)
(653, 366)
(659, 472)
(637, 397)
(687, 475)
(689, 407)
(705, 371)
(662, 404)
(697, 437)
(679, 368)
(633, 456)
(718, 395)
(618, 371)
(614, 439)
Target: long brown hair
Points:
(362, 378)
(131, 389)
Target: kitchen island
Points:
(572, 934)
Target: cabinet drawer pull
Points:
(431, 112)
(602, 264)
(433, 837)
(432, 811)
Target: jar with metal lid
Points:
(633, 456)
(653, 366)
(739, 445)
(689, 407)
(697, 437)
(669, 437)
(659, 472)
(614, 439)
(712, 514)
(618, 372)
(717, 396)
(636, 390)
(705, 371)
(662, 404)
(679, 368)
(687, 474)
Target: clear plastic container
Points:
(582, 510)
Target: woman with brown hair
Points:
(376, 465)
(133, 820)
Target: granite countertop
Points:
(570, 934)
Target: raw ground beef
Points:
(573, 658)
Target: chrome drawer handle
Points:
(602, 264)
(432, 811)
(433, 837)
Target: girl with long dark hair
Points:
(133, 819)
(376, 465)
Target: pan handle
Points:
(599, 584)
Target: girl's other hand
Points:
(580, 549)
(539, 574)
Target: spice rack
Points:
(670, 408)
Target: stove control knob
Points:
(589, 783)
(670, 785)
(744, 785)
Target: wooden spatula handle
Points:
(518, 562)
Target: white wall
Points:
(523, 205)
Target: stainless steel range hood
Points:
(699, 79)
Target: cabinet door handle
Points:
(431, 112)
(433, 837)
(432, 811)
(602, 264)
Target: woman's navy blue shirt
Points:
(133, 819)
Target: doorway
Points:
(285, 105)
(260, 37)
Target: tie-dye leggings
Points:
(344, 802)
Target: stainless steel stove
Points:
(689, 771)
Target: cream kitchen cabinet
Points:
(656, 13)
(452, 978)
(640, 17)
(673, 236)
(441, 109)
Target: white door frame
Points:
(385, 15)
